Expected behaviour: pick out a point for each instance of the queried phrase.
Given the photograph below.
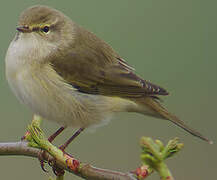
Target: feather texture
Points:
(93, 67)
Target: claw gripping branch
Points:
(153, 155)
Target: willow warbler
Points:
(66, 74)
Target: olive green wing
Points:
(93, 67)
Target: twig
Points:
(153, 155)
(87, 171)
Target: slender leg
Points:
(42, 153)
(56, 170)
(63, 147)
(54, 135)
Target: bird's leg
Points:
(54, 135)
(50, 139)
(57, 171)
(63, 147)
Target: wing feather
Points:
(93, 67)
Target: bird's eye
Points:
(46, 29)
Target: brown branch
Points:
(86, 171)
(153, 155)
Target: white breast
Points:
(18, 54)
(19, 51)
(46, 94)
(23, 54)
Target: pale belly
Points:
(45, 93)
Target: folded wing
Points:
(93, 67)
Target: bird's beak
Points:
(24, 29)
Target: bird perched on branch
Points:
(66, 74)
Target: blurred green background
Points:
(170, 42)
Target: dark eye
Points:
(46, 29)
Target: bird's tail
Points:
(159, 111)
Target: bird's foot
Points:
(41, 155)
(41, 158)
(56, 170)
(57, 158)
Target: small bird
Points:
(66, 74)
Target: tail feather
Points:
(163, 113)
